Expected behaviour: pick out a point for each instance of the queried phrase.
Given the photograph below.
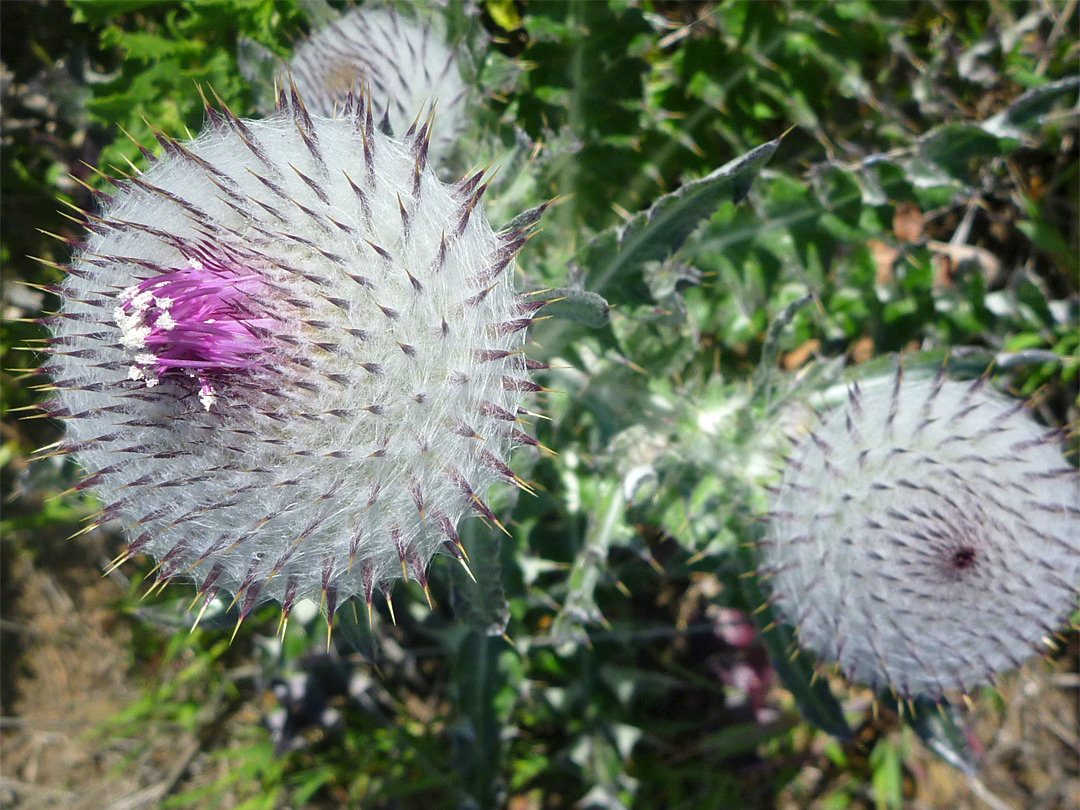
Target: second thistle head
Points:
(405, 59)
(925, 536)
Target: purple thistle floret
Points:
(201, 321)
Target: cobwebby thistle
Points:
(405, 61)
(925, 536)
(289, 358)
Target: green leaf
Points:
(767, 375)
(151, 47)
(952, 146)
(941, 729)
(478, 681)
(504, 14)
(812, 695)
(744, 738)
(579, 306)
(580, 607)
(482, 603)
(96, 12)
(612, 261)
(659, 339)
(1020, 117)
(310, 782)
(887, 778)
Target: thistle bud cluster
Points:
(289, 357)
(925, 536)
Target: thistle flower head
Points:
(406, 62)
(289, 357)
(925, 536)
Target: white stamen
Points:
(142, 301)
(207, 396)
(134, 337)
(165, 321)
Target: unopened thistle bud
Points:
(925, 536)
(406, 63)
(289, 357)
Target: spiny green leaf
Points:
(941, 729)
(612, 261)
(580, 607)
(483, 602)
(579, 306)
(766, 376)
(1016, 120)
(150, 47)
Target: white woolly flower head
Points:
(925, 536)
(405, 61)
(289, 357)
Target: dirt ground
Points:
(68, 668)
